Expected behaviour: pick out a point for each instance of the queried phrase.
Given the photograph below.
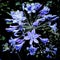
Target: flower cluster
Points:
(24, 26)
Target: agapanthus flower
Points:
(54, 19)
(8, 20)
(11, 28)
(18, 15)
(18, 22)
(13, 41)
(54, 50)
(53, 27)
(15, 32)
(47, 49)
(26, 28)
(44, 40)
(31, 8)
(48, 56)
(51, 17)
(32, 36)
(19, 46)
(19, 42)
(32, 50)
(45, 10)
(36, 23)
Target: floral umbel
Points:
(33, 24)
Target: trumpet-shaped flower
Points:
(45, 10)
(47, 49)
(32, 7)
(44, 40)
(19, 46)
(32, 50)
(11, 28)
(19, 42)
(36, 23)
(48, 56)
(32, 36)
(18, 15)
(13, 41)
(53, 27)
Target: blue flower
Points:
(31, 8)
(8, 20)
(47, 49)
(32, 37)
(36, 23)
(45, 10)
(48, 56)
(44, 40)
(32, 50)
(37, 6)
(49, 16)
(19, 42)
(18, 15)
(54, 50)
(54, 19)
(13, 41)
(53, 27)
(23, 6)
(15, 32)
(19, 46)
(11, 28)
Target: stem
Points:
(18, 55)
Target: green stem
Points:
(18, 55)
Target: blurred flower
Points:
(8, 20)
(15, 32)
(16, 43)
(32, 37)
(19, 46)
(41, 19)
(48, 56)
(51, 17)
(11, 28)
(32, 7)
(23, 6)
(54, 19)
(32, 50)
(45, 10)
(36, 23)
(13, 41)
(44, 40)
(53, 27)
(54, 51)
(47, 49)
(23, 28)
(38, 6)
(18, 15)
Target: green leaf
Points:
(2, 38)
(9, 23)
(17, 3)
